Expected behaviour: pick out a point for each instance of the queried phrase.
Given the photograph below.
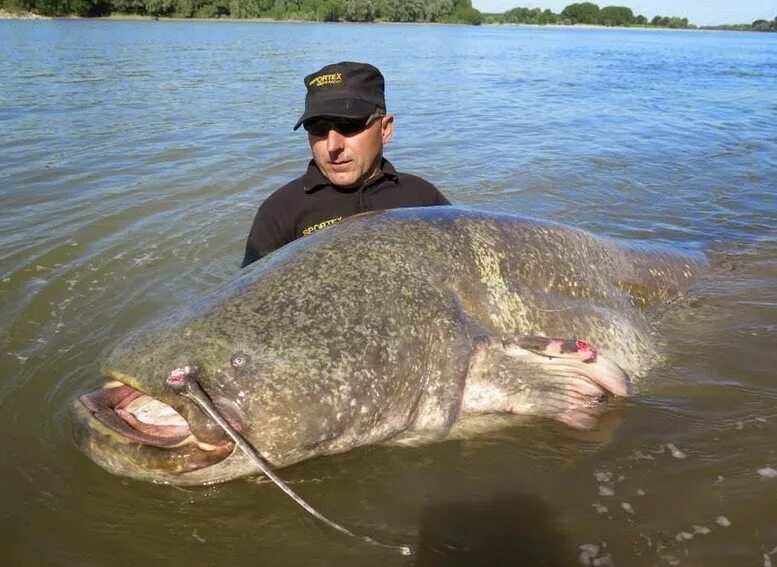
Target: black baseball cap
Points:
(343, 90)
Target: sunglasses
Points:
(320, 127)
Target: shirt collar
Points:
(314, 179)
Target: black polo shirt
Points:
(311, 203)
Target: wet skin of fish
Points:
(389, 325)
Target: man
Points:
(347, 125)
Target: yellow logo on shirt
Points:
(330, 79)
(318, 226)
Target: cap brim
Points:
(337, 108)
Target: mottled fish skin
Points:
(363, 332)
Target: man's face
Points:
(349, 159)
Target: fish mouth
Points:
(131, 433)
(139, 417)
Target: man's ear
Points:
(386, 128)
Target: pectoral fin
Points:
(575, 356)
(564, 379)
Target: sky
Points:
(699, 12)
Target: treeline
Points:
(758, 25)
(585, 13)
(588, 13)
(444, 11)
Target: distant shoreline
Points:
(598, 27)
(6, 15)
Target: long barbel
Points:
(184, 384)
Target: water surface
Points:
(133, 158)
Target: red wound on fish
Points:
(584, 348)
(178, 375)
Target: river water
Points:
(133, 156)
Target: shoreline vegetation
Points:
(585, 14)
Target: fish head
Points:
(136, 425)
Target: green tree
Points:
(463, 13)
(516, 16)
(582, 13)
(319, 10)
(616, 16)
(330, 11)
(160, 7)
(247, 8)
(88, 8)
(128, 6)
(677, 23)
(659, 22)
(547, 17)
(436, 10)
(403, 10)
(358, 11)
(527, 16)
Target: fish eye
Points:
(238, 360)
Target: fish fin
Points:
(573, 355)
(564, 379)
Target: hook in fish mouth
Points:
(142, 418)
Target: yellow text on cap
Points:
(330, 79)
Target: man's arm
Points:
(441, 199)
(432, 195)
(265, 236)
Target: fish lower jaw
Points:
(143, 419)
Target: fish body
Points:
(387, 325)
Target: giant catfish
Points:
(388, 325)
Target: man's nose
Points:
(334, 141)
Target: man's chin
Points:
(347, 180)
